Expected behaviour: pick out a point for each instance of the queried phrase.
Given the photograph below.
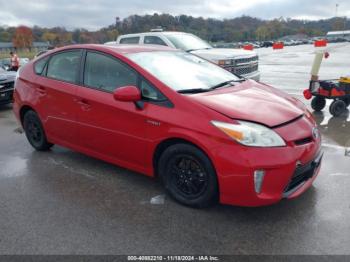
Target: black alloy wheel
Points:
(188, 175)
(35, 132)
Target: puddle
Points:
(158, 200)
(71, 169)
(13, 167)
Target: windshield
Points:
(181, 70)
(187, 42)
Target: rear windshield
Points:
(130, 40)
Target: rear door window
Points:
(130, 40)
(65, 66)
(153, 40)
(107, 73)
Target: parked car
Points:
(267, 44)
(240, 62)
(204, 132)
(5, 63)
(7, 80)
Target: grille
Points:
(244, 66)
(303, 141)
(303, 173)
(8, 85)
(246, 60)
(245, 70)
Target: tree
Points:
(262, 33)
(23, 37)
(5, 36)
(49, 37)
(112, 35)
(339, 24)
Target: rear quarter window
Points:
(39, 66)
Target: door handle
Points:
(41, 90)
(85, 105)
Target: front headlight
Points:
(225, 62)
(250, 134)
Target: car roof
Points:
(117, 48)
(154, 33)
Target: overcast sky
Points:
(94, 14)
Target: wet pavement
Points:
(63, 202)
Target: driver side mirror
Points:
(129, 94)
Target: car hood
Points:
(252, 101)
(223, 53)
(7, 75)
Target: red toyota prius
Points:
(206, 133)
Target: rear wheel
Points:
(188, 175)
(318, 103)
(337, 107)
(346, 101)
(35, 132)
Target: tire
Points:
(318, 103)
(188, 176)
(337, 107)
(346, 101)
(35, 132)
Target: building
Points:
(338, 34)
(6, 47)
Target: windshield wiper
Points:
(196, 49)
(193, 90)
(227, 83)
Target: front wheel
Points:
(188, 175)
(35, 132)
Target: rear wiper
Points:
(227, 83)
(193, 91)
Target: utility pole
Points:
(117, 22)
(336, 9)
(345, 18)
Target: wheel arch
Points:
(163, 145)
(24, 109)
